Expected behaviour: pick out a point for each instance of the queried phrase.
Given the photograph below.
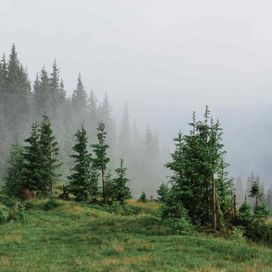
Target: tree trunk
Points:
(256, 205)
(214, 203)
(103, 186)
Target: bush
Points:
(163, 192)
(179, 225)
(142, 197)
(50, 204)
(237, 233)
(3, 216)
(262, 212)
(245, 215)
(17, 213)
(259, 231)
(28, 205)
(175, 216)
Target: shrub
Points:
(245, 215)
(17, 213)
(28, 205)
(163, 192)
(262, 212)
(142, 197)
(50, 204)
(175, 216)
(3, 216)
(260, 231)
(237, 233)
(179, 225)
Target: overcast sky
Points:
(165, 58)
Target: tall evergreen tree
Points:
(119, 189)
(32, 175)
(79, 98)
(18, 94)
(101, 159)
(84, 179)
(49, 151)
(41, 96)
(255, 192)
(200, 181)
(14, 179)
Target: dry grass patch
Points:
(146, 205)
(5, 261)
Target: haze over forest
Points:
(164, 59)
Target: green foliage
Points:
(163, 192)
(174, 215)
(260, 231)
(101, 159)
(50, 204)
(17, 213)
(84, 178)
(14, 179)
(255, 192)
(32, 161)
(237, 233)
(3, 215)
(143, 197)
(262, 212)
(49, 152)
(199, 179)
(245, 215)
(117, 187)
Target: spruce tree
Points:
(255, 192)
(18, 90)
(199, 179)
(163, 192)
(119, 190)
(49, 151)
(101, 159)
(32, 174)
(14, 179)
(84, 178)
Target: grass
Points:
(73, 238)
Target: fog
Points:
(165, 59)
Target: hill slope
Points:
(77, 238)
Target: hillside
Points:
(72, 237)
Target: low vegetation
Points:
(77, 237)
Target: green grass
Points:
(76, 238)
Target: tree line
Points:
(23, 103)
(34, 168)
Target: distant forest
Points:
(23, 103)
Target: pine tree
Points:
(101, 160)
(163, 192)
(84, 179)
(41, 96)
(14, 179)
(79, 98)
(50, 151)
(18, 93)
(255, 192)
(200, 181)
(32, 174)
(119, 190)
(269, 198)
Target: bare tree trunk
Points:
(103, 185)
(214, 203)
(234, 208)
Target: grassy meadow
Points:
(74, 237)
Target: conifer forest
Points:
(163, 164)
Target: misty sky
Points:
(165, 58)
